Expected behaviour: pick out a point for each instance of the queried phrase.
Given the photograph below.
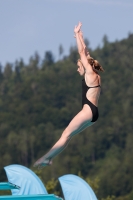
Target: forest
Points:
(39, 99)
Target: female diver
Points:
(91, 87)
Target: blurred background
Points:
(40, 90)
(29, 26)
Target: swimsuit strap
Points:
(90, 87)
(95, 86)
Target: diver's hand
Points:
(77, 28)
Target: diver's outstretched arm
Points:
(83, 43)
(81, 50)
(80, 44)
(80, 33)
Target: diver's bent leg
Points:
(62, 143)
(80, 122)
(59, 146)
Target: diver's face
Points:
(80, 69)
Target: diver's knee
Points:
(66, 134)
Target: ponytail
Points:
(95, 64)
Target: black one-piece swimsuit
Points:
(94, 109)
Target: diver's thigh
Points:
(81, 121)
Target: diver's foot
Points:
(42, 162)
